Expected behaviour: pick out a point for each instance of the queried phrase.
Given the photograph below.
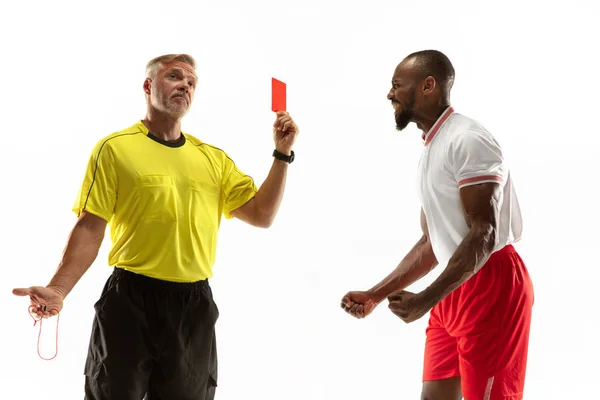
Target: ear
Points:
(429, 85)
(147, 85)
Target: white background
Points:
(72, 73)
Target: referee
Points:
(163, 193)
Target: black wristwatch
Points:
(280, 156)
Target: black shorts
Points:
(152, 340)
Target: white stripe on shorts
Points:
(488, 389)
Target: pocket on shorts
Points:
(92, 368)
(213, 310)
(211, 388)
(212, 380)
(109, 287)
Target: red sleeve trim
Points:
(477, 179)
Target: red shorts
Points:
(480, 332)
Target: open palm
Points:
(41, 296)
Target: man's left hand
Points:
(408, 306)
(285, 132)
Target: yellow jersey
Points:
(163, 201)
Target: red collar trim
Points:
(428, 137)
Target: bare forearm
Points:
(419, 261)
(469, 257)
(80, 252)
(270, 194)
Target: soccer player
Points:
(481, 303)
(163, 193)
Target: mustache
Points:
(182, 95)
(396, 103)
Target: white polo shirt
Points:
(460, 152)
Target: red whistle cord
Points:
(40, 334)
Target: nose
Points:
(390, 94)
(183, 88)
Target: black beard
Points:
(403, 119)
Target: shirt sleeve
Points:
(476, 157)
(98, 192)
(238, 188)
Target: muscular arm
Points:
(419, 261)
(261, 210)
(80, 252)
(480, 206)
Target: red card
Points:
(277, 95)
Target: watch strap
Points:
(280, 156)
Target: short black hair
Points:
(435, 63)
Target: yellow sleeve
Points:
(98, 192)
(238, 188)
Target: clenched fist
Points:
(359, 304)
